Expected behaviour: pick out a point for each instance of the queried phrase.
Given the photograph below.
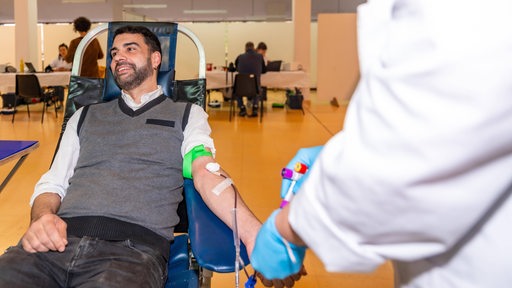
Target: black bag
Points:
(10, 69)
(294, 100)
(9, 99)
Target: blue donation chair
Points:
(203, 244)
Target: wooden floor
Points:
(252, 152)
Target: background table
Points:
(8, 80)
(279, 80)
(12, 150)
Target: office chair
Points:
(30, 92)
(206, 244)
(245, 85)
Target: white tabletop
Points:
(280, 80)
(8, 80)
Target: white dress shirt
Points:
(56, 180)
(422, 173)
(59, 62)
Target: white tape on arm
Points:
(213, 168)
(222, 186)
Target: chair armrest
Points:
(211, 240)
(178, 256)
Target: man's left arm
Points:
(221, 200)
(196, 135)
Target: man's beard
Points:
(140, 74)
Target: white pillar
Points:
(301, 14)
(25, 18)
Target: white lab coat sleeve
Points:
(426, 149)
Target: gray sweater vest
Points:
(130, 165)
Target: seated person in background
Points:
(250, 62)
(262, 49)
(59, 63)
(104, 214)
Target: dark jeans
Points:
(86, 262)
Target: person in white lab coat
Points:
(422, 172)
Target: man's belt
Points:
(110, 229)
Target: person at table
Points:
(262, 50)
(250, 62)
(60, 63)
(93, 52)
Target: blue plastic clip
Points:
(251, 282)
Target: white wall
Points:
(222, 41)
(7, 51)
(338, 68)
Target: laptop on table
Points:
(30, 67)
(274, 66)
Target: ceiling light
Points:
(145, 6)
(211, 11)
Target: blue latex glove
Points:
(305, 156)
(272, 255)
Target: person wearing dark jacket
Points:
(250, 62)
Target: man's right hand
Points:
(46, 233)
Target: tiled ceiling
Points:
(53, 11)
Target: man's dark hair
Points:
(82, 24)
(249, 46)
(261, 46)
(149, 37)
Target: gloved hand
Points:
(273, 256)
(305, 156)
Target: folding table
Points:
(14, 150)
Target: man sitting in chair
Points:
(250, 62)
(104, 214)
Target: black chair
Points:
(30, 92)
(245, 85)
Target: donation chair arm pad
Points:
(211, 240)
